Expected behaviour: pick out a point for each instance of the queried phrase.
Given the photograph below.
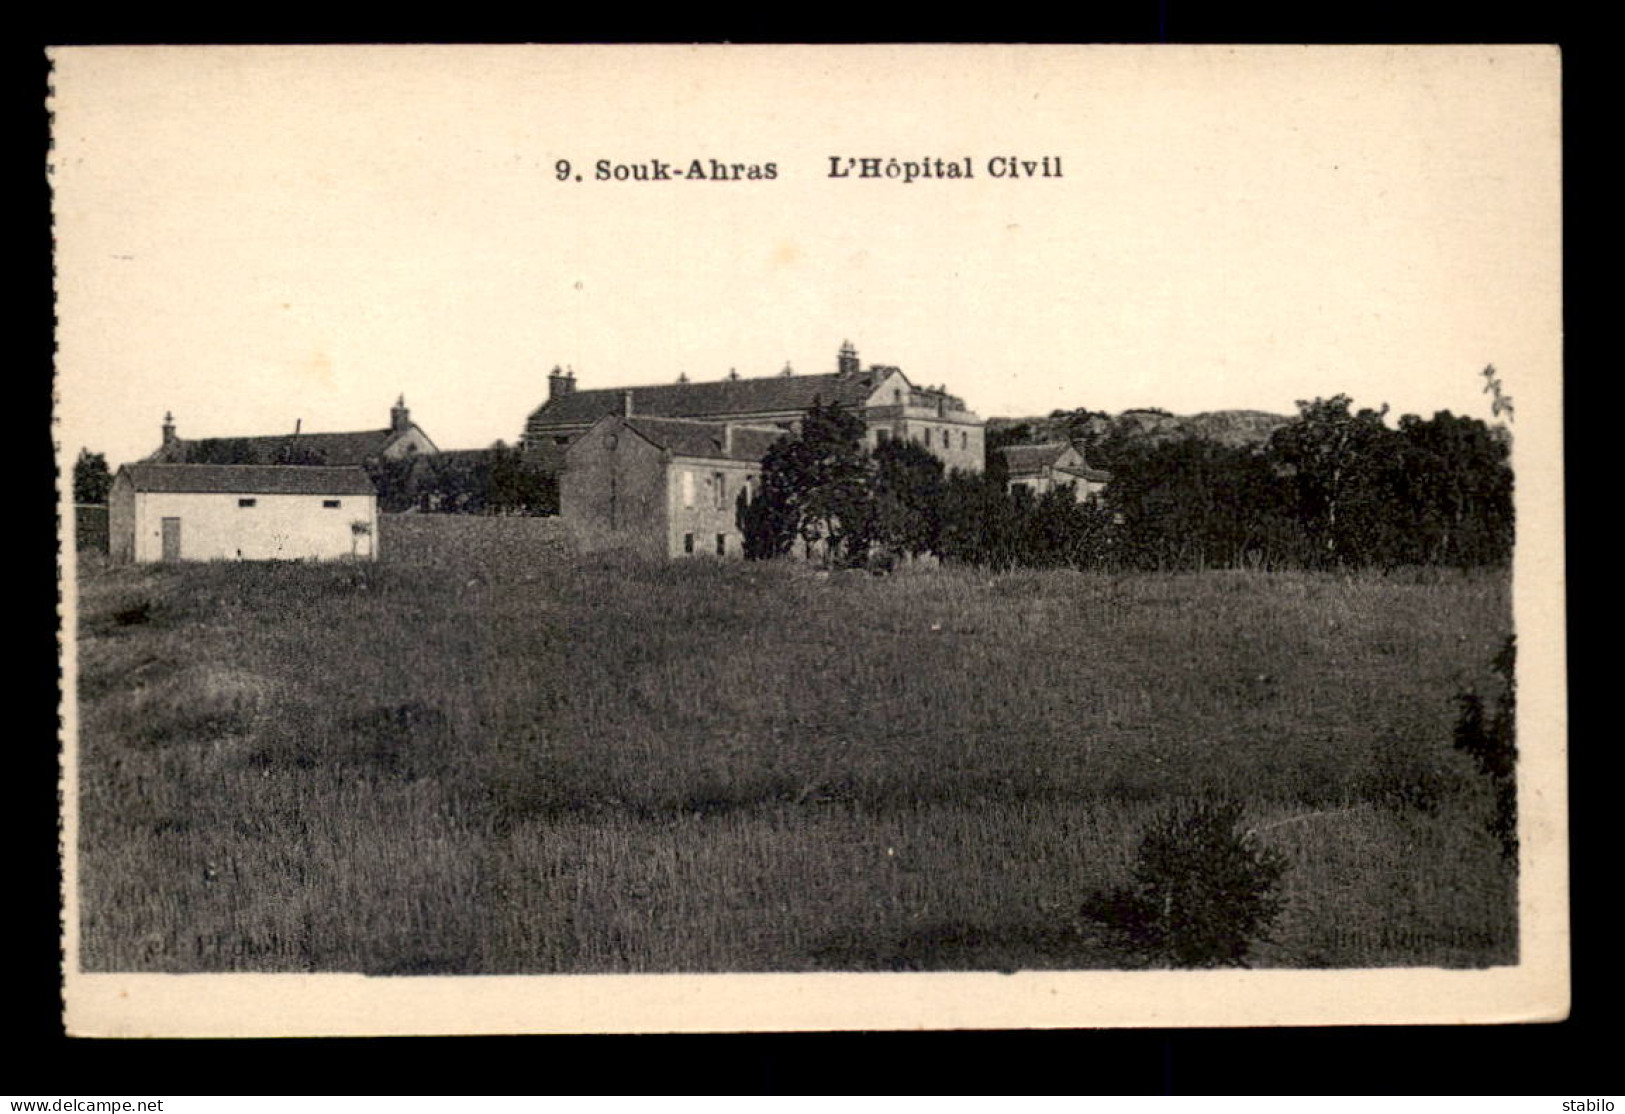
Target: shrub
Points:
(1202, 891)
(1489, 738)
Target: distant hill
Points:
(1233, 428)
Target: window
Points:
(722, 545)
(688, 543)
(719, 488)
(247, 502)
(882, 436)
(964, 439)
(688, 490)
(331, 504)
(897, 397)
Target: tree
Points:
(91, 479)
(292, 451)
(816, 488)
(1193, 503)
(519, 486)
(982, 522)
(1458, 490)
(906, 508)
(393, 479)
(222, 450)
(1345, 466)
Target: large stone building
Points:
(400, 439)
(204, 512)
(890, 405)
(666, 487)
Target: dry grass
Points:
(487, 755)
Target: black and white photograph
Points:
(693, 538)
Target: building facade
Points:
(1041, 468)
(891, 406)
(664, 487)
(209, 512)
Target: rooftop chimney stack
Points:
(169, 428)
(559, 383)
(847, 362)
(399, 416)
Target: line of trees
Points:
(1333, 487)
(498, 480)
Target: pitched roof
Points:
(687, 437)
(249, 479)
(771, 394)
(1031, 458)
(1093, 475)
(336, 449)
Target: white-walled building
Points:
(1039, 468)
(250, 512)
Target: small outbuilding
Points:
(1041, 468)
(250, 512)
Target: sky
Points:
(252, 238)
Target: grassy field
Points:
(488, 755)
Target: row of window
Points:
(327, 504)
(943, 438)
(722, 544)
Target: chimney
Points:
(169, 428)
(733, 373)
(626, 404)
(559, 384)
(847, 362)
(298, 424)
(399, 416)
(787, 372)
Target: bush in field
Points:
(1202, 891)
(1489, 739)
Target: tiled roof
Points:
(685, 437)
(1031, 458)
(249, 479)
(772, 394)
(332, 448)
(1093, 475)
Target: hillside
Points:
(1227, 427)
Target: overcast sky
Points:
(254, 237)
